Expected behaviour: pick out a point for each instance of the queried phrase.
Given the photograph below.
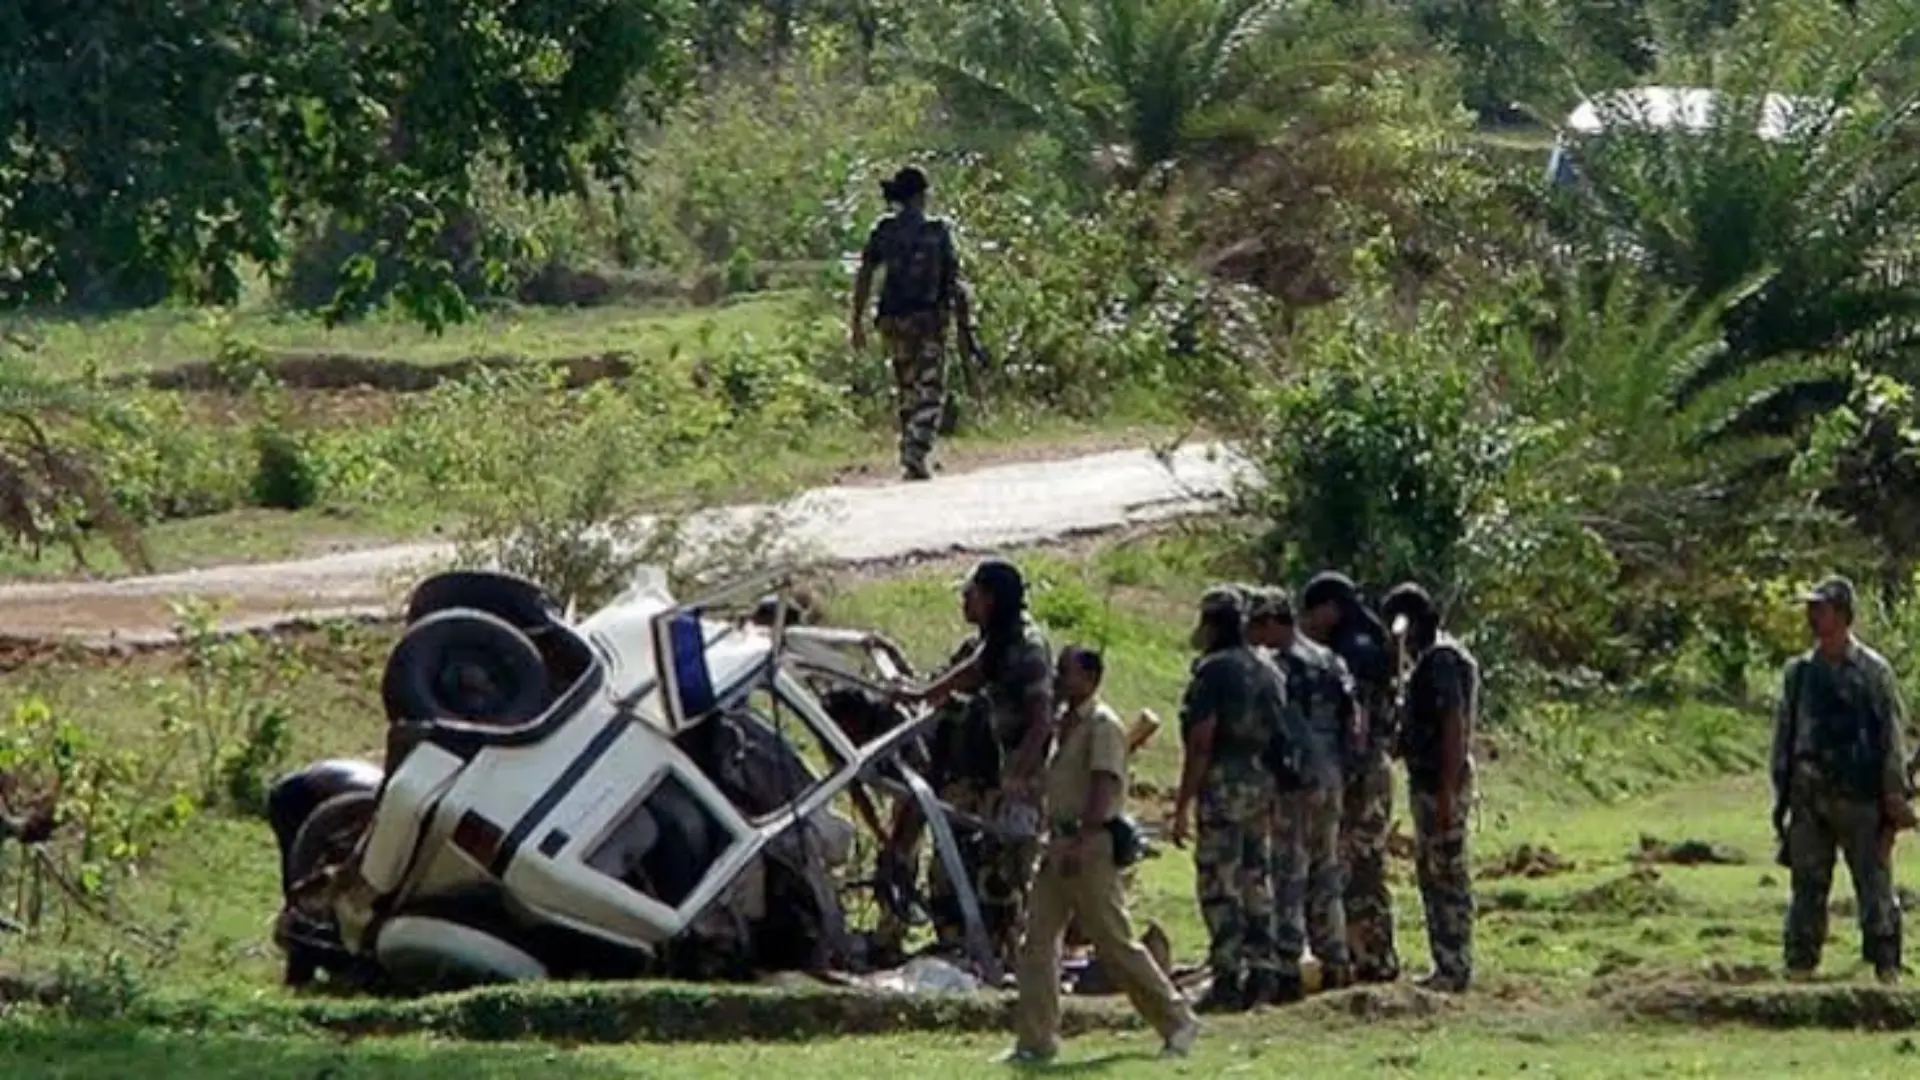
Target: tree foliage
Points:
(158, 149)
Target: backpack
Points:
(916, 253)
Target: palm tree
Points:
(1821, 220)
(1134, 83)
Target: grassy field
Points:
(162, 338)
(1620, 850)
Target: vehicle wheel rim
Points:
(471, 685)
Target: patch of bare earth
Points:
(1527, 861)
(1655, 851)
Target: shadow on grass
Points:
(117, 1051)
(606, 1013)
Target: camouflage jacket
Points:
(1841, 724)
(1246, 698)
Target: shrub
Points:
(1376, 452)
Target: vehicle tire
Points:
(294, 796)
(428, 952)
(464, 664)
(330, 833)
(506, 596)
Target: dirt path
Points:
(978, 510)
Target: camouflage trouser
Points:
(1232, 862)
(1365, 816)
(1307, 880)
(1821, 825)
(917, 345)
(1001, 871)
(1446, 884)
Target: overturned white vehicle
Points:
(647, 792)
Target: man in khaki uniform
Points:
(1086, 787)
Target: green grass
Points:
(1587, 783)
(168, 337)
(1480, 1044)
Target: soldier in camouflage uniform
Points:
(920, 293)
(1441, 704)
(1838, 777)
(1331, 614)
(1308, 879)
(1234, 704)
(1010, 672)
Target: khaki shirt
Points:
(1092, 739)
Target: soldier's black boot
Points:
(1260, 989)
(1287, 990)
(1223, 996)
(1383, 973)
(1335, 977)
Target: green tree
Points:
(157, 149)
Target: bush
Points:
(1378, 451)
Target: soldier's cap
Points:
(1836, 592)
(1265, 602)
(1408, 599)
(1328, 587)
(1224, 600)
(904, 184)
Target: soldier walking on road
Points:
(1838, 777)
(1442, 703)
(920, 292)
(1079, 874)
(1331, 614)
(1308, 880)
(1233, 704)
(1012, 669)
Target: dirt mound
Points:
(345, 371)
(1654, 850)
(1832, 1006)
(1527, 861)
(1637, 894)
(1398, 1001)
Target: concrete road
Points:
(996, 507)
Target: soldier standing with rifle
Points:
(920, 293)
(1839, 784)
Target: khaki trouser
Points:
(1095, 894)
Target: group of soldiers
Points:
(1289, 725)
(1288, 730)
